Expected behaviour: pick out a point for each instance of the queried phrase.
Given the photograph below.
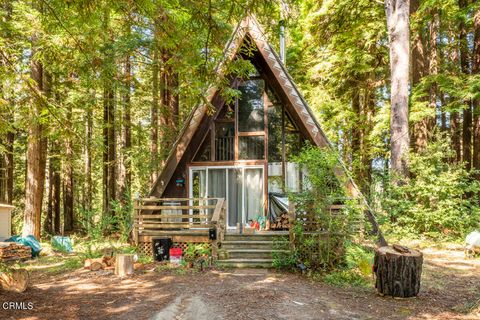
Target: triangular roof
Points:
(249, 26)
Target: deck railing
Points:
(180, 216)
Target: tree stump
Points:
(124, 265)
(15, 280)
(397, 271)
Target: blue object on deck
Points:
(63, 244)
(29, 241)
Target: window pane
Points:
(217, 185)
(275, 177)
(250, 106)
(235, 189)
(204, 152)
(253, 193)
(224, 141)
(199, 188)
(198, 184)
(251, 148)
(275, 134)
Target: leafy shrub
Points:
(345, 278)
(359, 258)
(283, 257)
(438, 199)
(123, 218)
(325, 248)
(196, 250)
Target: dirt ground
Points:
(450, 290)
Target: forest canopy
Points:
(93, 95)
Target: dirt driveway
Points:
(450, 290)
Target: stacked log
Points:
(99, 263)
(280, 223)
(10, 251)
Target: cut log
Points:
(397, 271)
(15, 280)
(124, 264)
(94, 264)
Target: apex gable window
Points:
(251, 106)
(251, 122)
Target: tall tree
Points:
(399, 39)
(109, 143)
(476, 100)
(52, 219)
(154, 116)
(419, 129)
(36, 147)
(125, 174)
(68, 192)
(467, 111)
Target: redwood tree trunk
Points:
(154, 121)
(467, 111)
(433, 70)
(125, 175)
(68, 222)
(127, 131)
(397, 13)
(109, 145)
(36, 155)
(419, 129)
(476, 102)
(52, 220)
(88, 189)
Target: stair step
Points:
(246, 263)
(249, 254)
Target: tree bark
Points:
(467, 111)
(8, 116)
(419, 129)
(433, 71)
(52, 221)
(109, 144)
(476, 102)
(124, 265)
(125, 175)
(68, 192)
(154, 121)
(397, 273)
(36, 154)
(88, 189)
(169, 110)
(397, 13)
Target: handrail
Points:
(218, 210)
(151, 219)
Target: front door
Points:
(242, 186)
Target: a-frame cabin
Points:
(239, 152)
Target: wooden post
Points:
(291, 222)
(124, 265)
(135, 221)
(397, 271)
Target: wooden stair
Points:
(249, 251)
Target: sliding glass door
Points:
(242, 186)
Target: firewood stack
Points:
(280, 223)
(14, 251)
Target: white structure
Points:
(5, 221)
(472, 243)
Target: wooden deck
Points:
(202, 220)
(184, 220)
